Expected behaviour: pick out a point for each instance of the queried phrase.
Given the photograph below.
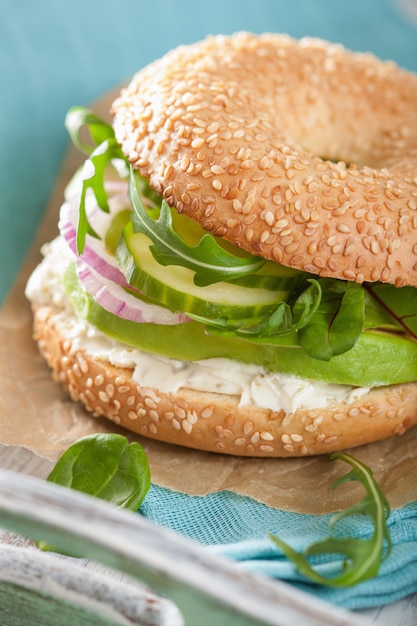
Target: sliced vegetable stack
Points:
(140, 262)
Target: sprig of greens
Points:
(363, 556)
(103, 150)
(210, 262)
(328, 315)
(92, 177)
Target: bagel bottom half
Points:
(217, 422)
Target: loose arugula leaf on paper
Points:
(363, 557)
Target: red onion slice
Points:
(94, 253)
(116, 300)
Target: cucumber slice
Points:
(173, 286)
(376, 359)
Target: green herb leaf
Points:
(210, 262)
(337, 323)
(79, 118)
(397, 305)
(92, 177)
(284, 320)
(102, 150)
(363, 557)
(106, 466)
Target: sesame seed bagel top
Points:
(299, 151)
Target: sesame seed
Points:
(180, 412)
(110, 390)
(187, 426)
(197, 143)
(150, 402)
(192, 417)
(154, 415)
(153, 428)
(103, 396)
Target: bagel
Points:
(300, 153)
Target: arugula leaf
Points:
(363, 556)
(78, 118)
(92, 177)
(337, 323)
(106, 466)
(283, 320)
(210, 262)
(103, 150)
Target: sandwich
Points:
(236, 268)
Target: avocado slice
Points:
(377, 358)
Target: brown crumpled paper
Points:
(36, 414)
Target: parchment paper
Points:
(36, 414)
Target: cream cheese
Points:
(248, 382)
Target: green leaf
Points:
(363, 557)
(337, 323)
(397, 307)
(102, 150)
(79, 118)
(284, 320)
(92, 177)
(150, 198)
(210, 262)
(106, 466)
